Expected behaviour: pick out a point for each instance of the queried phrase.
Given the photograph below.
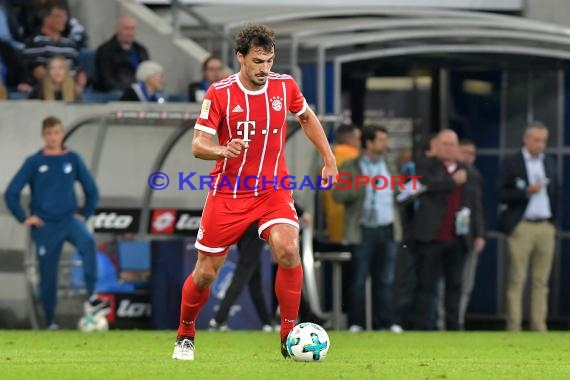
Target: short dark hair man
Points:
(51, 174)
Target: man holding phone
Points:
(528, 189)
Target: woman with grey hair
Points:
(149, 84)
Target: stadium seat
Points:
(134, 259)
(177, 98)
(17, 95)
(107, 279)
(93, 96)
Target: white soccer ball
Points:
(90, 323)
(308, 342)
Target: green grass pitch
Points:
(134, 355)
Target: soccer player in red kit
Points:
(247, 112)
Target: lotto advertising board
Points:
(161, 222)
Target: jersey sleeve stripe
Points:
(203, 128)
(225, 82)
(302, 109)
(280, 76)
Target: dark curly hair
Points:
(255, 35)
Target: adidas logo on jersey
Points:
(237, 109)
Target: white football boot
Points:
(183, 349)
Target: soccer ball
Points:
(90, 323)
(308, 342)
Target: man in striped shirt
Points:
(247, 111)
(51, 43)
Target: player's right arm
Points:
(204, 147)
(208, 125)
(13, 191)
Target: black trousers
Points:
(434, 259)
(248, 272)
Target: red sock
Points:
(288, 284)
(193, 299)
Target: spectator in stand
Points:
(12, 71)
(212, 71)
(9, 25)
(57, 84)
(31, 13)
(148, 86)
(118, 59)
(49, 43)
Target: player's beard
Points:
(259, 80)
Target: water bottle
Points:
(462, 221)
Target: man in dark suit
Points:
(528, 189)
(118, 59)
(447, 224)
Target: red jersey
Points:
(258, 117)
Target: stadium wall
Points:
(552, 11)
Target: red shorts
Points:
(225, 220)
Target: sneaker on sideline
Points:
(214, 326)
(396, 329)
(96, 307)
(53, 327)
(355, 329)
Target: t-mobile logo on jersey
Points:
(245, 129)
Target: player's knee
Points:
(288, 254)
(204, 276)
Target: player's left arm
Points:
(314, 131)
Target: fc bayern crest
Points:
(277, 103)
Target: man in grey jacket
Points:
(370, 220)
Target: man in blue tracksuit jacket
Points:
(51, 174)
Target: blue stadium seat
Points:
(17, 95)
(94, 96)
(177, 98)
(134, 257)
(107, 279)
